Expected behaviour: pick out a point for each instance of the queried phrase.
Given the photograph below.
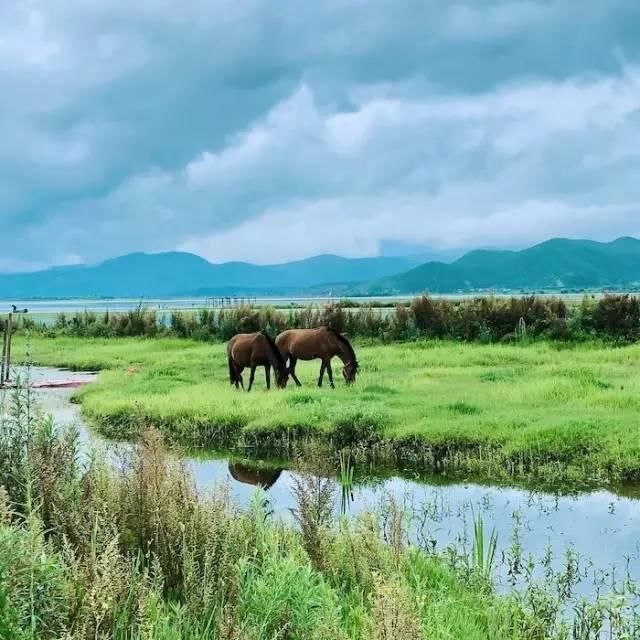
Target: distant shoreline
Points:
(173, 303)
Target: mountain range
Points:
(185, 274)
(553, 265)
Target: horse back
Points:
(304, 344)
(283, 340)
(242, 347)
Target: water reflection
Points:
(254, 475)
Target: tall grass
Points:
(484, 319)
(483, 553)
(134, 551)
(346, 479)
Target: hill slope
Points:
(173, 274)
(555, 264)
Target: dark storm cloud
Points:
(131, 126)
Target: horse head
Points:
(282, 377)
(350, 370)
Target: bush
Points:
(617, 317)
(430, 316)
(33, 586)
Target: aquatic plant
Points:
(483, 553)
(346, 480)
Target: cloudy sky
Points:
(268, 131)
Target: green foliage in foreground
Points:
(87, 552)
(568, 413)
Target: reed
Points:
(346, 480)
(483, 552)
(483, 319)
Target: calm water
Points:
(52, 307)
(46, 311)
(603, 528)
(40, 309)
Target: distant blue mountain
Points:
(552, 265)
(555, 264)
(184, 274)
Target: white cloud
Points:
(321, 227)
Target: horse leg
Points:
(322, 368)
(292, 371)
(330, 374)
(267, 375)
(251, 377)
(238, 376)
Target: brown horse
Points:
(322, 343)
(255, 350)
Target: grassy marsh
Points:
(565, 412)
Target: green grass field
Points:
(568, 413)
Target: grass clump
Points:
(463, 409)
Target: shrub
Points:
(617, 317)
(400, 327)
(33, 587)
(430, 316)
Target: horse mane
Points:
(274, 349)
(346, 344)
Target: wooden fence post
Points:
(4, 351)
(7, 363)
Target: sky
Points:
(270, 131)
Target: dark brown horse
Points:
(255, 476)
(255, 350)
(322, 343)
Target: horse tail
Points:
(232, 371)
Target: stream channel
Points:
(599, 531)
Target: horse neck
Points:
(343, 352)
(274, 360)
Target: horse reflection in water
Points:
(255, 476)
